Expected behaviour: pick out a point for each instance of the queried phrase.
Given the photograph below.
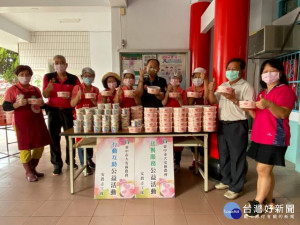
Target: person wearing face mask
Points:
(270, 132)
(128, 82)
(199, 85)
(59, 109)
(29, 123)
(174, 86)
(150, 100)
(232, 133)
(78, 101)
(111, 81)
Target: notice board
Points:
(171, 62)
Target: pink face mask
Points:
(112, 85)
(128, 82)
(174, 82)
(270, 77)
(60, 68)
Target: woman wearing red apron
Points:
(110, 81)
(199, 85)
(32, 133)
(128, 82)
(80, 100)
(174, 86)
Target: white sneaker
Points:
(221, 186)
(231, 195)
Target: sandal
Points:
(253, 209)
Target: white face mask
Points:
(24, 80)
(128, 82)
(112, 85)
(197, 81)
(60, 68)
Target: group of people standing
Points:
(270, 133)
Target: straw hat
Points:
(110, 74)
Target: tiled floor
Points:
(48, 201)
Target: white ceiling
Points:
(47, 15)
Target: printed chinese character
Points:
(114, 157)
(153, 170)
(153, 191)
(114, 151)
(153, 163)
(114, 164)
(247, 208)
(289, 208)
(152, 150)
(279, 208)
(152, 143)
(113, 192)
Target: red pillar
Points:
(231, 32)
(199, 42)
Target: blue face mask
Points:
(87, 80)
(232, 75)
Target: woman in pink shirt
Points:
(128, 82)
(110, 82)
(32, 134)
(271, 132)
(78, 101)
(199, 85)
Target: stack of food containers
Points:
(115, 117)
(136, 112)
(106, 118)
(180, 119)
(136, 126)
(78, 123)
(97, 120)
(165, 119)
(125, 118)
(150, 120)
(195, 118)
(209, 118)
(88, 120)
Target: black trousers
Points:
(58, 118)
(232, 145)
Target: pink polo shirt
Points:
(267, 129)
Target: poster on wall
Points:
(132, 61)
(114, 177)
(146, 57)
(171, 64)
(154, 172)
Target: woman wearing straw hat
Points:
(110, 81)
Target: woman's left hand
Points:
(263, 103)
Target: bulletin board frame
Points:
(171, 61)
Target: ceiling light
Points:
(69, 20)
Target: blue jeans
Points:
(89, 155)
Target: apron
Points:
(30, 125)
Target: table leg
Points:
(196, 155)
(71, 166)
(206, 163)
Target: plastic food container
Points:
(165, 124)
(150, 110)
(77, 129)
(164, 115)
(193, 94)
(194, 114)
(245, 104)
(225, 89)
(150, 115)
(129, 93)
(209, 109)
(33, 101)
(63, 94)
(150, 129)
(209, 128)
(174, 94)
(106, 93)
(150, 124)
(179, 129)
(179, 110)
(194, 124)
(194, 129)
(162, 120)
(210, 114)
(165, 110)
(153, 90)
(165, 129)
(136, 109)
(147, 119)
(208, 119)
(179, 114)
(209, 123)
(90, 95)
(180, 119)
(195, 109)
(194, 119)
(133, 129)
(179, 124)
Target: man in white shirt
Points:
(233, 127)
